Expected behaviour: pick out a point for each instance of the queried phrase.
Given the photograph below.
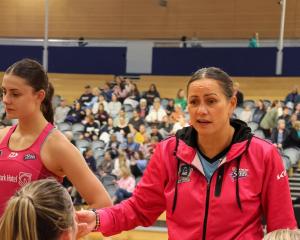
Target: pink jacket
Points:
(251, 182)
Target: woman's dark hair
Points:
(36, 77)
(217, 74)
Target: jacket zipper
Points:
(207, 203)
(206, 211)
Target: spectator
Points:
(101, 100)
(156, 113)
(142, 108)
(180, 99)
(292, 96)
(90, 160)
(61, 112)
(246, 114)
(114, 106)
(269, 121)
(151, 94)
(279, 134)
(136, 121)
(138, 164)
(259, 111)
(293, 138)
(126, 185)
(87, 96)
(254, 41)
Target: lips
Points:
(203, 121)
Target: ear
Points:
(232, 103)
(41, 94)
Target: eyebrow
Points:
(205, 95)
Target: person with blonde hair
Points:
(40, 210)
(283, 234)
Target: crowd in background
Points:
(117, 127)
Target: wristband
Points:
(97, 220)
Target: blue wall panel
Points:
(94, 60)
(235, 61)
(12, 54)
(291, 61)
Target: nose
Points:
(6, 99)
(202, 109)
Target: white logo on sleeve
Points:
(281, 175)
(24, 178)
(13, 155)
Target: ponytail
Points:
(46, 106)
(19, 220)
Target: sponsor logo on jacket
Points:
(243, 172)
(30, 156)
(24, 178)
(184, 173)
(13, 155)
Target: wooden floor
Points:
(70, 86)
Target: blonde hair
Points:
(125, 172)
(40, 210)
(297, 125)
(283, 234)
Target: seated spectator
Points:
(141, 136)
(96, 93)
(42, 209)
(133, 97)
(177, 114)
(106, 166)
(180, 99)
(246, 114)
(142, 108)
(157, 113)
(108, 128)
(91, 128)
(76, 114)
(113, 146)
(155, 132)
(259, 111)
(151, 94)
(179, 125)
(88, 155)
(102, 116)
(291, 97)
(126, 185)
(132, 146)
(293, 138)
(101, 100)
(122, 114)
(122, 127)
(279, 134)
(285, 116)
(61, 112)
(86, 97)
(114, 106)
(107, 92)
(269, 121)
(120, 161)
(297, 111)
(170, 107)
(136, 121)
(138, 164)
(165, 127)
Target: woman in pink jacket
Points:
(214, 179)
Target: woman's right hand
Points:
(86, 220)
